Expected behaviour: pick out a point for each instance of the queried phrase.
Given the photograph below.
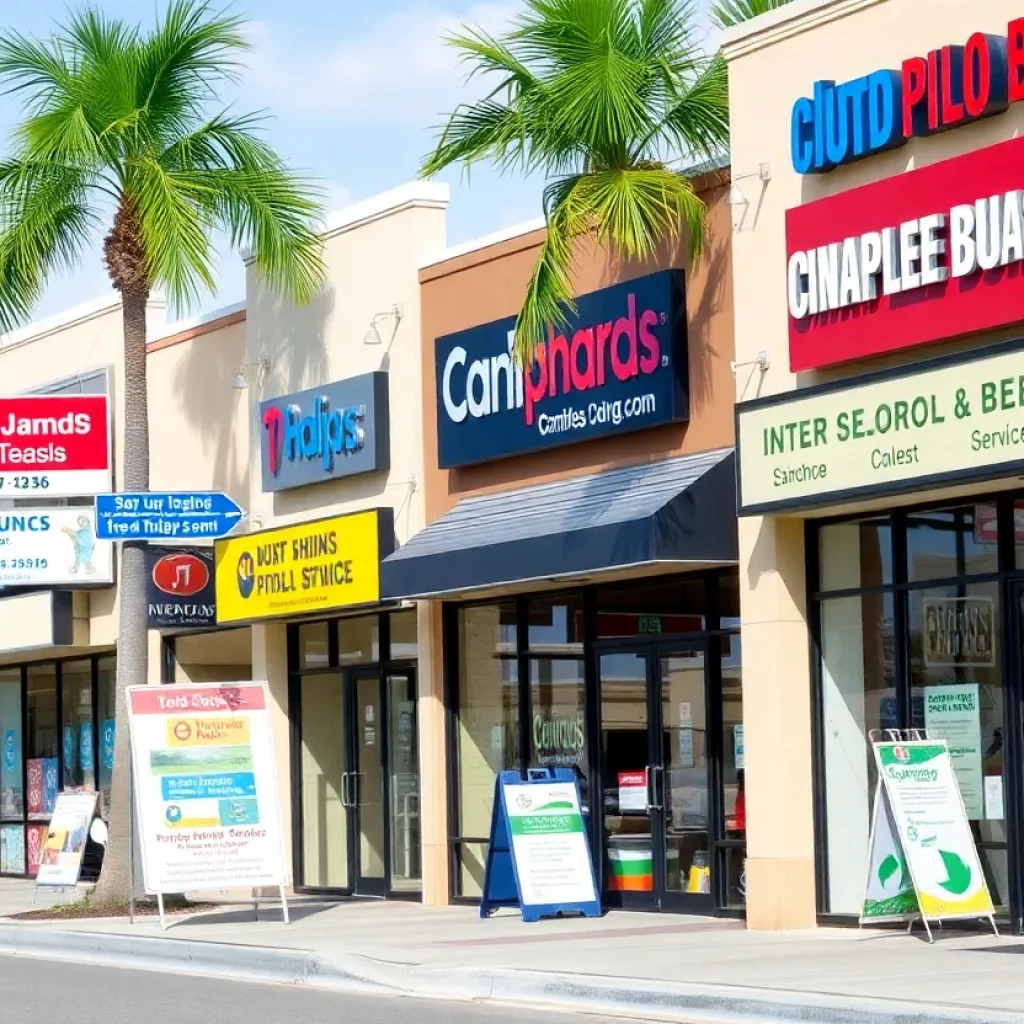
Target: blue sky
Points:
(355, 87)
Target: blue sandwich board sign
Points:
(174, 515)
(538, 858)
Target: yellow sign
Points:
(302, 569)
(206, 732)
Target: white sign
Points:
(994, 809)
(685, 734)
(952, 713)
(962, 415)
(52, 547)
(889, 894)
(633, 792)
(205, 787)
(549, 843)
(60, 858)
(737, 742)
(933, 829)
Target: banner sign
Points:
(54, 446)
(205, 787)
(326, 433)
(52, 547)
(933, 830)
(538, 857)
(180, 588)
(926, 255)
(307, 568)
(946, 421)
(953, 713)
(619, 365)
(60, 858)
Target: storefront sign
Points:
(945, 89)
(206, 794)
(931, 254)
(952, 420)
(559, 740)
(54, 446)
(52, 547)
(180, 588)
(933, 830)
(959, 632)
(619, 365)
(325, 433)
(60, 859)
(303, 569)
(953, 713)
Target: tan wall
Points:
(772, 62)
(488, 284)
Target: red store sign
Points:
(922, 257)
(55, 445)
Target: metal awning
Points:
(675, 511)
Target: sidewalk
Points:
(404, 948)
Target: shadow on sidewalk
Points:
(243, 912)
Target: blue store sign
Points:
(619, 366)
(325, 433)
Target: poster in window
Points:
(34, 774)
(50, 786)
(35, 835)
(12, 850)
(86, 761)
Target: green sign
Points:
(889, 894)
(934, 836)
(884, 432)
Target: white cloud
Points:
(399, 71)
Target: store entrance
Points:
(657, 847)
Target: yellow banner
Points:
(297, 570)
(206, 732)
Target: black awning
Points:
(680, 510)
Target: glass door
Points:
(681, 783)
(403, 783)
(366, 785)
(654, 749)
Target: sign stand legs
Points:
(284, 905)
(160, 907)
(131, 838)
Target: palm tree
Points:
(727, 13)
(600, 96)
(118, 132)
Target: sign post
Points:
(538, 857)
(166, 516)
(922, 852)
(205, 789)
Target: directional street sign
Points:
(175, 515)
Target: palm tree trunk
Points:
(115, 882)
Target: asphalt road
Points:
(51, 990)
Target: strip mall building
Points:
(878, 257)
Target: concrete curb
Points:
(592, 994)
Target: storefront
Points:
(879, 440)
(581, 547)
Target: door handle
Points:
(345, 801)
(356, 776)
(658, 794)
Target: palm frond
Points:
(729, 13)
(45, 222)
(698, 122)
(481, 130)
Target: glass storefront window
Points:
(558, 728)
(945, 543)
(488, 723)
(556, 624)
(313, 646)
(404, 774)
(358, 640)
(858, 679)
(855, 555)
(77, 742)
(41, 745)
(957, 694)
(404, 643)
(107, 714)
(12, 783)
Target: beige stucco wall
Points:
(773, 61)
